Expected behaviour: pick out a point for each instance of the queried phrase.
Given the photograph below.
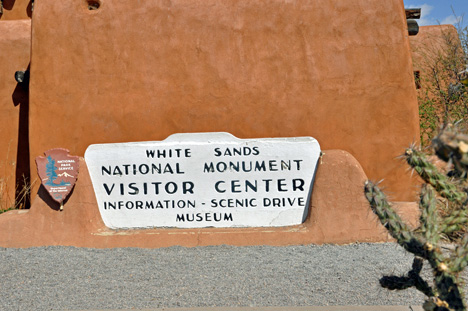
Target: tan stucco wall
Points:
(336, 70)
(15, 38)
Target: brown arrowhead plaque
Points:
(58, 172)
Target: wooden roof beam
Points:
(413, 13)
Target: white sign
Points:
(204, 180)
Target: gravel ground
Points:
(58, 278)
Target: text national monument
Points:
(204, 180)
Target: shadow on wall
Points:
(29, 9)
(20, 97)
(9, 4)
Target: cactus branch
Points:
(454, 221)
(428, 218)
(429, 173)
(461, 259)
(392, 221)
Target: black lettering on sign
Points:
(208, 168)
(236, 151)
(283, 202)
(163, 204)
(218, 185)
(169, 153)
(198, 217)
(251, 166)
(184, 187)
(108, 191)
(280, 185)
(233, 203)
(132, 187)
(141, 169)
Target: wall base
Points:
(339, 213)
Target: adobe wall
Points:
(337, 70)
(431, 41)
(15, 38)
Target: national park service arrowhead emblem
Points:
(58, 172)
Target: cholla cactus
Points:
(445, 292)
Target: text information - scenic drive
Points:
(204, 180)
